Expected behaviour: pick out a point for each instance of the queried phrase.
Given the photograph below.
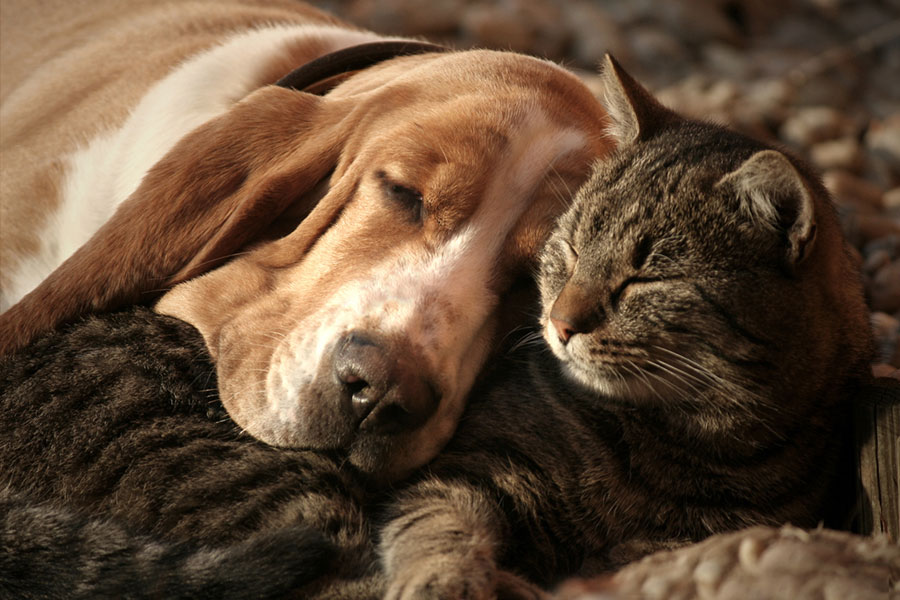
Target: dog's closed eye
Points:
(408, 198)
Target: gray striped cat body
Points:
(121, 476)
(48, 552)
(709, 328)
(704, 327)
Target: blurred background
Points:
(821, 77)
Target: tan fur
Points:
(438, 123)
(73, 69)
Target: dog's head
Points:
(379, 232)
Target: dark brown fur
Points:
(122, 476)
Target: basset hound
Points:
(344, 217)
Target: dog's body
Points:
(74, 145)
(379, 228)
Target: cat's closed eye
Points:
(570, 255)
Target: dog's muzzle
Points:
(384, 388)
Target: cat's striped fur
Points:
(711, 343)
(48, 552)
(113, 443)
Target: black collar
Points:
(321, 74)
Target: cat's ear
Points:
(774, 195)
(634, 112)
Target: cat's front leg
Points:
(441, 545)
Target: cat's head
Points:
(697, 262)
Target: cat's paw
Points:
(439, 579)
(476, 582)
(512, 587)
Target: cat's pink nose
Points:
(563, 329)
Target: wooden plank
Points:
(877, 426)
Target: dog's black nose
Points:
(387, 391)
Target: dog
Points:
(347, 219)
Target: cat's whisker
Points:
(643, 375)
(678, 375)
(687, 377)
(696, 368)
(563, 196)
(278, 336)
(681, 395)
(209, 377)
(736, 394)
(525, 331)
(532, 338)
(254, 388)
(259, 345)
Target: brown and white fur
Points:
(349, 258)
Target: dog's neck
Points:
(324, 73)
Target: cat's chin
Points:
(617, 385)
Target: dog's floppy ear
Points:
(214, 192)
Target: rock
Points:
(699, 19)
(704, 98)
(727, 61)
(435, 18)
(891, 199)
(887, 337)
(876, 261)
(861, 227)
(883, 142)
(594, 34)
(529, 27)
(842, 153)
(850, 190)
(889, 244)
(661, 54)
(885, 288)
(488, 26)
(887, 370)
(815, 124)
(828, 6)
(796, 26)
(767, 99)
(722, 95)
(874, 226)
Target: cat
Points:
(703, 327)
(49, 552)
(121, 476)
(708, 326)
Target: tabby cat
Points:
(708, 329)
(48, 552)
(121, 476)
